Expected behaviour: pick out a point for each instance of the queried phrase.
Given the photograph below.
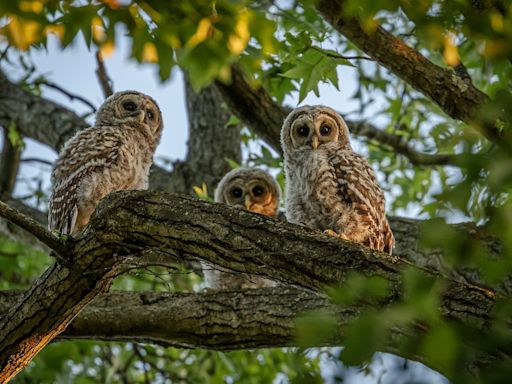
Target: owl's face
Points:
(250, 189)
(312, 127)
(130, 107)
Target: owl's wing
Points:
(78, 162)
(358, 188)
(63, 205)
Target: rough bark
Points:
(225, 320)
(9, 164)
(457, 98)
(256, 108)
(35, 117)
(256, 318)
(210, 142)
(126, 225)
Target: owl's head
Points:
(131, 107)
(251, 189)
(313, 126)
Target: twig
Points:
(341, 57)
(37, 160)
(400, 145)
(144, 362)
(4, 52)
(31, 226)
(71, 96)
(103, 77)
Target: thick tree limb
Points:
(457, 98)
(263, 115)
(254, 107)
(9, 163)
(221, 321)
(225, 320)
(207, 118)
(36, 117)
(128, 224)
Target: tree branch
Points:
(36, 117)
(70, 95)
(207, 118)
(103, 77)
(255, 107)
(31, 226)
(401, 145)
(456, 97)
(224, 320)
(265, 117)
(127, 224)
(9, 164)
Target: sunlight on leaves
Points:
(21, 32)
(149, 53)
(238, 41)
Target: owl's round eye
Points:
(257, 191)
(325, 130)
(303, 130)
(130, 106)
(150, 114)
(237, 192)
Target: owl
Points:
(328, 186)
(115, 154)
(253, 190)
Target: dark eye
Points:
(303, 130)
(257, 191)
(325, 130)
(130, 106)
(237, 192)
(150, 114)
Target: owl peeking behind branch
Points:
(328, 186)
(115, 154)
(253, 190)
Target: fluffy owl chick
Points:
(253, 190)
(115, 154)
(328, 186)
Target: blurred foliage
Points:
(289, 49)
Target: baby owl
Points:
(328, 186)
(253, 190)
(113, 155)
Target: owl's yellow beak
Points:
(248, 202)
(314, 142)
(142, 116)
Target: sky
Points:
(73, 70)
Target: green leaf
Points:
(232, 163)
(365, 336)
(315, 328)
(14, 136)
(233, 120)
